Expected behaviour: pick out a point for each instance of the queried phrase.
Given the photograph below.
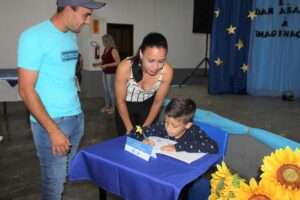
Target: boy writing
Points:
(178, 126)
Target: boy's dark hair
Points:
(150, 40)
(181, 108)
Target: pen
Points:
(140, 130)
(145, 136)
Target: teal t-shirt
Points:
(53, 54)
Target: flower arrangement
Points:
(224, 184)
(280, 180)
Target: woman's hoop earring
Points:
(140, 63)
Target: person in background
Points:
(142, 83)
(178, 126)
(110, 60)
(47, 56)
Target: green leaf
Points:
(220, 185)
(236, 181)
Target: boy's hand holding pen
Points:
(146, 139)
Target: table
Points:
(9, 86)
(8, 89)
(113, 169)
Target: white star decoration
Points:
(239, 45)
(245, 68)
(252, 15)
(218, 62)
(231, 29)
(217, 12)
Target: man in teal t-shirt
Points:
(47, 56)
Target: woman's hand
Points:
(103, 66)
(97, 64)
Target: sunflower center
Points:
(259, 197)
(289, 175)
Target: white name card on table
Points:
(139, 149)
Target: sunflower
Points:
(282, 170)
(254, 191)
(219, 178)
(223, 170)
(224, 184)
(213, 196)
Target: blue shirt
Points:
(53, 54)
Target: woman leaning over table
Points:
(142, 83)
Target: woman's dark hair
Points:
(181, 108)
(150, 40)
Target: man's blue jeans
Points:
(54, 169)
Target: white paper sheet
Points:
(183, 155)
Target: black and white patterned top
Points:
(136, 94)
(193, 140)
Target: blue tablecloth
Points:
(112, 168)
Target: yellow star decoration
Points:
(252, 15)
(217, 12)
(245, 68)
(138, 129)
(218, 62)
(240, 44)
(231, 30)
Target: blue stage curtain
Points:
(274, 60)
(229, 77)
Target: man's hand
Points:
(60, 144)
(169, 147)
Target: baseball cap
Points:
(91, 4)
